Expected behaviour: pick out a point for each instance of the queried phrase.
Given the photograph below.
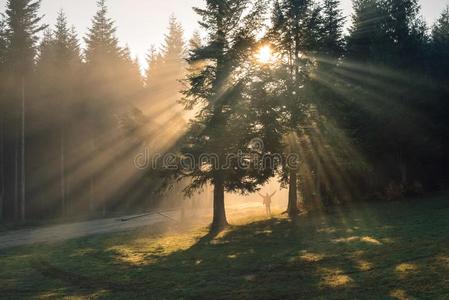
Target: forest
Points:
(365, 107)
(125, 179)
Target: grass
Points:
(376, 251)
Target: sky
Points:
(142, 23)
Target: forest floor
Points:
(366, 251)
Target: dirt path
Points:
(57, 233)
(70, 231)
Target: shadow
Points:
(383, 251)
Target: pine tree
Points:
(112, 84)
(104, 66)
(103, 91)
(3, 48)
(59, 50)
(107, 63)
(440, 45)
(101, 41)
(296, 34)
(165, 70)
(154, 70)
(195, 41)
(407, 33)
(46, 51)
(131, 78)
(22, 34)
(439, 71)
(333, 23)
(222, 126)
(66, 42)
(23, 25)
(3, 41)
(368, 30)
(173, 50)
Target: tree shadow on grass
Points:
(346, 255)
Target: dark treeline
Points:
(65, 149)
(367, 110)
(388, 93)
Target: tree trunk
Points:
(62, 170)
(292, 209)
(16, 180)
(2, 169)
(403, 171)
(219, 220)
(91, 195)
(22, 160)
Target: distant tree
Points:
(195, 41)
(407, 33)
(46, 48)
(103, 57)
(165, 70)
(103, 92)
(66, 43)
(333, 23)
(382, 86)
(390, 32)
(3, 48)
(131, 80)
(439, 72)
(101, 42)
(3, 40)
(154, 69)
(322, 89)
(60, 50)
(368, 31)
(295, 34)
(23, 26)
(440, 45)
(174, 51)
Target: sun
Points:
(264, 55)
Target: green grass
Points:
(381, 251)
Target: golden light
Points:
(264, 55)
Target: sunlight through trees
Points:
(364, 110)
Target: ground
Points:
(365, 251)
(62, 232)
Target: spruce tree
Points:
(104, 68)
(154, 68)
(295, 34)
(166, 68)
(131, 80)
(101, 42)
(59, 50)
(407, 33)
(195, 41)
(173, 50)
(440, 45)
(23, 26)
(332, 31)
(217, 90)
(102, 89)
(3, 47)
(68, 49)
(368, 30)
(3, 41)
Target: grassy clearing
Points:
(383, 251)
